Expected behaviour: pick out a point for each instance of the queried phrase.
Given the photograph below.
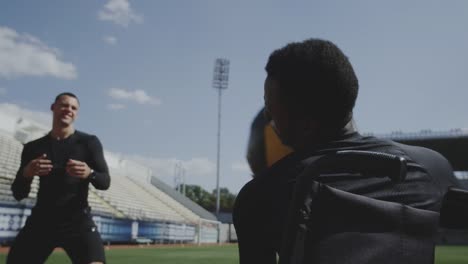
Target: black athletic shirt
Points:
(59, 192)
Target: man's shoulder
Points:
(85, 136)
(421, 160)
(393, 147)
(421, 154)
(37, 141)
(80, 133)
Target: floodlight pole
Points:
(218, 153)
(220, 82)
(179, 177)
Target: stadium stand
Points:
(154, 192)
(183, 200)
(10, 156)
(134, 209)
(135, 203)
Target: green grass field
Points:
(451, 254)
(225, 254)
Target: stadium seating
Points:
(131, 197)
(127, 197)
(10, 155)
(164, 198)
(136, 203)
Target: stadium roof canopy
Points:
(452, 144)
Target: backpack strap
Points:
(292, 249)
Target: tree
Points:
(200, 196)
(226, 200)
(208, 200)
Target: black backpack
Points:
(327, 225)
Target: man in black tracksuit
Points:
(66, 161)
(310, 92)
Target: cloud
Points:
(240, 166)
(25, 55)
(199, 171)
(116, 106)
(42, 118)
(120, 13)
(110, 40)
(138, 96)
(199, 166)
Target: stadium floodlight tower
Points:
(220, 82)
(179, 177)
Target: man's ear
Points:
(52, 107)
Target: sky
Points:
(143, 70)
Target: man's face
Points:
(277, 112)
(65, 110)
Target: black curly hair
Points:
(316, 80)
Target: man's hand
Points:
(41, 166)
(78, 169)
